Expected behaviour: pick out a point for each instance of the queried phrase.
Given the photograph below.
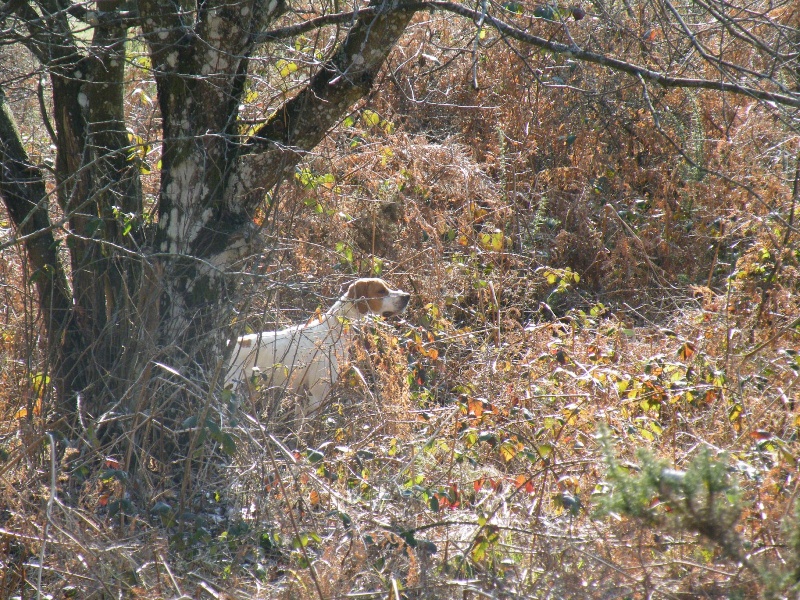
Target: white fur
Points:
(307, 357)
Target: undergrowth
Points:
(592, 394)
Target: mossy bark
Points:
(137, 321)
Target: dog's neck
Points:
(345, 308)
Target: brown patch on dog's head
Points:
(368, 294)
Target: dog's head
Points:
(375, 296)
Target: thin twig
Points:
(48, 513)
(476, 45)
(572, 50)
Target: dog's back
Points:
(299, 357)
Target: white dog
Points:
(306, 357)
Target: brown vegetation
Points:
(574, 265)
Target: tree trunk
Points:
(138, 317)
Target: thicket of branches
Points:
(593, 204)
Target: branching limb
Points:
(785, 98)
(22, 187)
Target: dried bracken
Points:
(605, 315)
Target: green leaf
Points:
(117, 474)
(408, 537)
(123, 505)
(490, 438)
(228, 444)
(213, 428)
(161, 508)
(314, 456)
(544, 11)
(346, 520)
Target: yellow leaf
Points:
(544, 450)
(787, 456)
(493, 241)
(39, 383)
(285, 68)
(508, 450)
(479, 550)
(371, 118)
(477, 211)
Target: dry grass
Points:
(459, 458)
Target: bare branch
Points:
(22, 188)
(574, 51)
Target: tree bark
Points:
(136, 300)
(137, 319)
(22, 187)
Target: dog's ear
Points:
(358, 292)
